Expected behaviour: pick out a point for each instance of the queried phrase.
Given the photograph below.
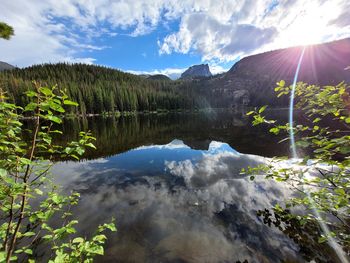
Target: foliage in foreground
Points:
(28, 200)
(322, 177)
(6, 31)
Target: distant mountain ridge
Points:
(196, 71)
(253, 78)
(251, 81)
(322, 64)
(158, 77)
(5, 66)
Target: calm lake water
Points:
(173, 184)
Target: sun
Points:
(311, 25)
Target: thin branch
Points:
(25, 180)
(327, 178)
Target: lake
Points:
(173, 184)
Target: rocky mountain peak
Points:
(196, 71)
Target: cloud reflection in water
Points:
(176, 204)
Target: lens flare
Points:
(291, 106)
(331, 241)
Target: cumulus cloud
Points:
(50, 31)
(173, 73)
(215, 40)
(229, 29)
(39, 36)
(174, 144)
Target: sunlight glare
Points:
(311, 24)
(331, 241)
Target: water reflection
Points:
(197, 130)
(174, 203)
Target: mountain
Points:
(196, 71)
(252, 80)
(158, 77)
(155, 77)
(5, 66)
(322, 64)
(146, 76)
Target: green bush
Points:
(322, 175)
(24, 170)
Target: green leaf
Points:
(55, 198)
(78, 240)
(282, 83)
(80, 150)
(31, 93)
(69, 102)
(25, 161)
(46, 91)
(31, 106)
(275, 130)
(262, 109)
(56, 107)
(347, 120)
(38, 191)
(322, 239)
(90, 145)
(56, 131)
(249, 113)
(29, 234)
(97, 250)
(100, 238)
(110, 226)
(28, 251)
(54, 119)
(3, 172)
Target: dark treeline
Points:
(99, 89)
(116, 135)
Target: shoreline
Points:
(159, 112)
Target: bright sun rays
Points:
(311, 25)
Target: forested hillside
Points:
(99, 89)
(251, 82)
(254, 78)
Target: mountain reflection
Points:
(197, 130)
(177, 204)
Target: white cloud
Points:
(38, 37)
(174, 144)
(50, 31)
(223, 31)
(217, 69)
(212, 216)
(173, 73)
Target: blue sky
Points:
(164, 36)
(141, 53)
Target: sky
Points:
(164, 36)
